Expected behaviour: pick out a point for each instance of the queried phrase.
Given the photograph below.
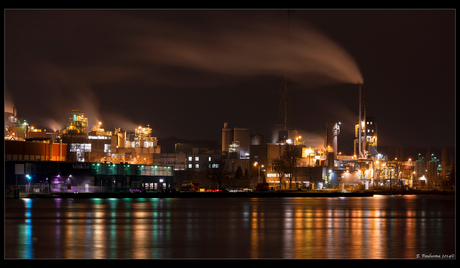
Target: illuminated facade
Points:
(368, 138)
(137, 148)
(77, 122)
(55, 177)
(125, 175)
(15, 129)
(307, 170)
(35, 151)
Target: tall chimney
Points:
(362, 121)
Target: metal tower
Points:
(286, 119)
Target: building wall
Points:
(78, 174)
(35, 151)
(243, 136)
(198, 161)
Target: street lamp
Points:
(69, 183)
(28, 179)
(256, 164)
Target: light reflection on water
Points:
(378, 227)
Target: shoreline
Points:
(369, 193)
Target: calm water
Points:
(396, 227)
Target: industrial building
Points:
(235, 142)
(122, 159)
(62, 160)
(45, 150)
(61, 176)
(263, 160)
(291, 164)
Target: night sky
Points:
(186, 72)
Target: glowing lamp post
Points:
(28, 179)
(256, 164)
(258, 171)
(69, 187)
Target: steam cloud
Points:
(70, 61)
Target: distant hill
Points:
(168, 145)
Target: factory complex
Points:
(83, 159)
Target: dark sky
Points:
(186, 72)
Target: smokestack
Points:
(362, 121)
(333, 131)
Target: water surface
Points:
(379, 227)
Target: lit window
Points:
(209, 159)
(107, 148)
(197, 165)
(197, 158)
(189, 165)
(190, 158)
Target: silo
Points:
(226, 137)
(242, 135)
(121, 138)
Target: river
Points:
(378, 227)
